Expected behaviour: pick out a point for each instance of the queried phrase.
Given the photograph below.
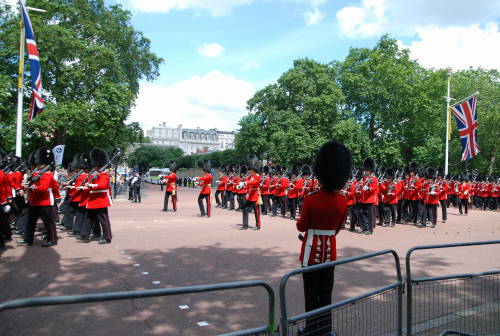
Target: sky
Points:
(218, 53)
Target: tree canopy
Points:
(92, 61)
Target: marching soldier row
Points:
(29, 191)
(374, 195)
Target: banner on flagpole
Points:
(58, 154)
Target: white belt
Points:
(310, 235)
(98, 191)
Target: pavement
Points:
(156, 249)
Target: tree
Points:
(92, 61)
(145, 157)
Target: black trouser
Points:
(266, 204)
(281, 202)
(241, 200)
(174, 200)
(486, 203)
(246, 209)
(80, 219)
(465, 203)
(137, 194)
(353, 217)
(5, 231)
(444, 211)
(65, 203)
(380, 212)
(366, 216)
(230, 200)
(390, 211)
(44, 212)
(407, 210)
(218, 197)
(200, 203)
(98, 218)
(431, 210)
(130, 193)
(292, 203)
(19, 204)
(414, 210)
(400, 210)
(22, 219)
(69, 215)
(318, 286)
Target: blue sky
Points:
(219, 52)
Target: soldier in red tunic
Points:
(265, 189)
(229, 201)
(220, 193)
(367, 194)
(5, 231)
(296, 184)
(251, 184)
(431, 197)
(99, 198)
(280, 192)
(322, 218)
(464, 194)
(391, 190)
(443, 194)
(41, 201)
(170, 181)
(206, 189)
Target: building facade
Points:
(191, 141)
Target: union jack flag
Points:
(37, 103)
(466, 116)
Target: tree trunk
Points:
(492, 161)
(59, 137)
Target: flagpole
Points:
(467, 98)
(19, 126)
(448, 100)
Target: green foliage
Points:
(145, 157)
(378, 102)
(92, 61)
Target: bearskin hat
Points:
(253, 162)
(295, 170)
(440, 172)
(431, 173)
(369, 164)
(2, 154)
(243, 169)
(389, 173)
(264, 169)
(43, 155)
(306, 170)
(75, 163)
(230, 169)
(98, 157)
(464, 177)
(173, 166)
(84, 161)
(332, 165)
(413, 167)
(206, 165)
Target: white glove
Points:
(366, 188)
(92, 185)
(433, 193)
(6, 208)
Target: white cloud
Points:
(362, 21)
(250, 66)
(209, 101)
(313, 17)
(458, 47)
(213, 7)
(211, 50)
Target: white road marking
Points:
(202, 323)
(184, 307)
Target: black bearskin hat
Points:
(98, 157)
(306, 170)
(265, 169)
(31, 158)
(279, 170)
(413, 167)
(464, 177)
(230, 169)
(369, 164)
(207, 166)
(173, 166)
(389, 173)
(440, 172)
(44, 156)
(2, 154)
(253, 162)
(243, 169)
(295, 170)
(75, 163)
(84, 161)
(332, 165)
(431, 173)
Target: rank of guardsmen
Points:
(30, 190)
(375, 195)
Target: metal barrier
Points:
(467, 302)
(345, 316)
(268, 329)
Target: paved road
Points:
(180, 249)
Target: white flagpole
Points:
(448, 100)
(19, 126)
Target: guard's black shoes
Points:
(23, 243)
(104, 241)
(48, 244)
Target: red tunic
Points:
(170, 182)
(77, 194)
(323, 215)
(431, 195)
(4, 192)
(464, 190)
(99, 196)
(370, 195)
(222, 183)
(393, 192)
(229, 183)
(42, 195)
(253, 184)
(265, 189)
(295, 188)
(412, 185)
(206, 184)
(281, 187)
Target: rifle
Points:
(34, 179)
(73, 177)
(116, 154)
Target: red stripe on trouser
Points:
(174, 201)
(373, 217)
(51, 224)
(108, 227)
(257, 214)
(208, 206)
